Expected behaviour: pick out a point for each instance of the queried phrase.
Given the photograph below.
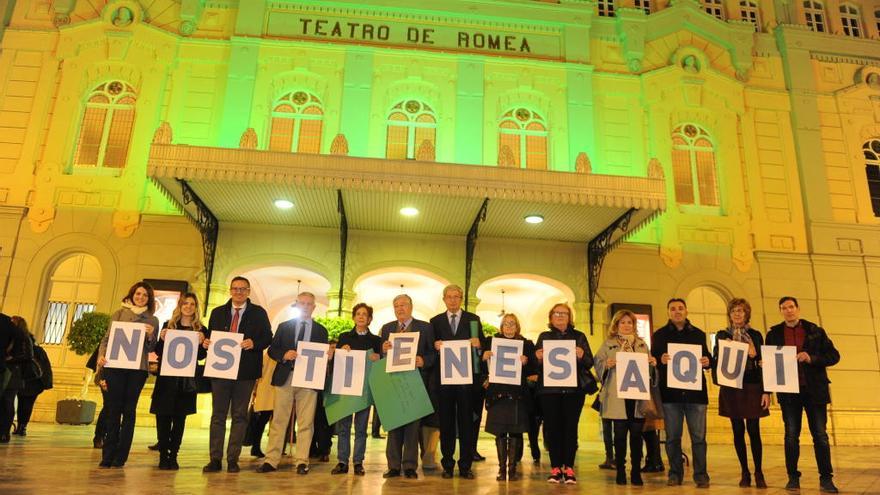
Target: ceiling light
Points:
(409, 211)
(283, 204)
(534, 218)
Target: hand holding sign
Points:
(224, 355)
(125, 345)
(632, 376)
(505, 365)
(684, 370)
(180, 353)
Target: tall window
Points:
(693, 163)
(748, 11)
(412, 132)
(872, 170)
(814, 15)
(605, 7)
(877, 19)
(644, 5)
(522, 140)
(849, 19)
(73, 290)
(297, 122)
(714, 8)
(107, 123)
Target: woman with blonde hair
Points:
(625, 414)
(174, 398)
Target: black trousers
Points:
(25, 409)
(229, 397)
(123, 391)
(256, 427)
(562, 413)
(170, 429)
(456, 417)
(101, 422)
(633, 428)
(322, 438)
(7, 410)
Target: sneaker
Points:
(568, 476)
(555, 476)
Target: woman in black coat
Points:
(174, 397)
(36, 377)
(19, 356)
(508, 405)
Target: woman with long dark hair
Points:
(174, 397)
(123, 385)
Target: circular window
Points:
(300, 97)
(412, 106)
(522, 114)
(690, 131)
(114, 88)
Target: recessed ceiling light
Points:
(283, 204)
(409, 211)
(534, 218)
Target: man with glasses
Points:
(238, 315)
(682, 405)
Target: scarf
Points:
(741, 335)
(627, 342)
(138, 310)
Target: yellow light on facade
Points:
(283, 204)
(409, 211)
(534, 219)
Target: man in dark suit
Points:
(460, 405)
(238, 315)
(402, 449)
(815, 353)
(283, 349)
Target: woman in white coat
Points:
(624, 413)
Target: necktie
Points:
(402, 328)
(452, 322)
(234, 327)
(302, 331)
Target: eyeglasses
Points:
(239, 289)
(509, 324)
(560, 313)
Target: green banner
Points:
(400, 397)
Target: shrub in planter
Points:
(84, 337)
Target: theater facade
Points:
(604, 153)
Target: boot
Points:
(501, 447)
(172, 460)
(163, 460)
(620, 465)
(514, 448)
(635, 474)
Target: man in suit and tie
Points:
(402, 448)
(283, 350)
(458, 403)
(238, 315)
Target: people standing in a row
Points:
(402, 447)
(682, 405)
(238, 315)
(174, 397)
(562, 406)
(124, 385)
(458, 403)
(625, 414)
(747, 405)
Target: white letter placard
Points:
(349, 372)
(731, 366)
(560, 363)
(633, 380)
(224, 355)
(456, 361)
(180, 353)
(505, 365)
(125, 346)
(683, 369)
(780, 368)
(310, 367)
(402, 355)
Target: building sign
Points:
(401, 34)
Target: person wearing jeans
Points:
(682, 405)
(815, 353)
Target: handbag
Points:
(652, 409)
(587, 381)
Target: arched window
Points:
(748, 11)
(412, 132)
(872, 171)
(73, 290)
(849, 19)
(693, 163)
(644, 5)
(707, 310)
(297, 122)
(106, 126)
(714, 8)
(605, 8)
(814, 15)
(522, 140)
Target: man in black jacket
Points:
(815, 352)
(238, 315)
(460, 405)
(678, 404)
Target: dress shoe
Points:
(20, 431)
(745, 480)
(359, 470)
(447, 474)
(608, 464)
(794, 484)
(827, 486)
(340, 468)
(478, 457)
(117, 464)
(212, 467)
(257, 453)
(232, 467)
(759, 480)
(635, 477)
(673, 481)
(172, 461)
(105, 464)
(411, 474)
(392, 473)
(302, 469)
(266, 468)
(621, 476)
(155, 446)
(468, 475)
(702, 483)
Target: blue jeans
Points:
(674, 416)
(343, 432)
(817, 417)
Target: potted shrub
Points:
(84, 337)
